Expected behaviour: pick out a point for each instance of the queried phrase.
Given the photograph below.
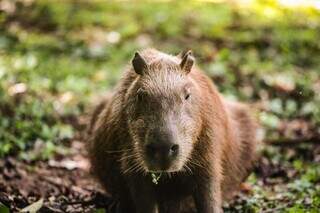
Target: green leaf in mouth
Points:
(155, 177)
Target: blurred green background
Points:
(56, 57)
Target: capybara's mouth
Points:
(156, 169)
(162, 170)
(163, 167)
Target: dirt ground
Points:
(64, 183)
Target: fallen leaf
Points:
(33, 208)
(67, 164)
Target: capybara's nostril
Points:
(174, 149)
(159, 151)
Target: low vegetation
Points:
(58, 57)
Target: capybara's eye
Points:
(187, 96)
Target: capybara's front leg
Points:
(207, 196)
(142, 195)
(169, 206)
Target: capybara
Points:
(166, 136)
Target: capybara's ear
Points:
(182, 53)
(139, 64)
(187, 62)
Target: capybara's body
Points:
(212, 141)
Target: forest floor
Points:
(63, 180)
(64, 184)
(57, 58)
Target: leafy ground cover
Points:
(58, 57)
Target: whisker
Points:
(134, 167)
(137, 163)
(139, 168)
(194, 162)
(188, 169)
(130, 168)
(126, 157)
(142, 166)
(117, 151)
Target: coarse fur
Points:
(217, 140)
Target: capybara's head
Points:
(163, 112)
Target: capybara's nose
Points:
(161, 148)
(162, 151)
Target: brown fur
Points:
(223, 146)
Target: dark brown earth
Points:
(64, 182)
